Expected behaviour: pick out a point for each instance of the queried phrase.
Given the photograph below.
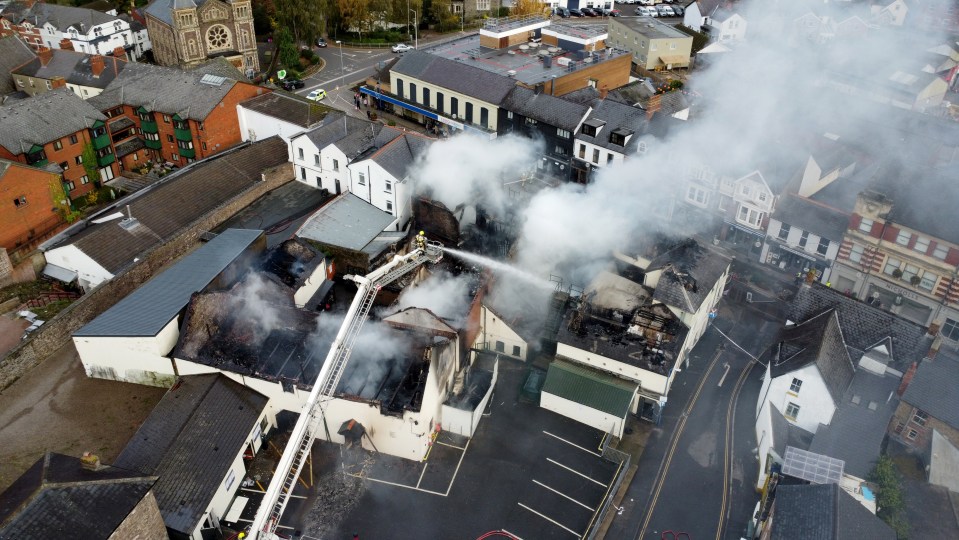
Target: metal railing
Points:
(624, 460)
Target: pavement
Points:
(698, 468)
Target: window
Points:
(64, 165)
(484, 117)
(230, 478)
(582, 151)
(69, 185)
(653, 46)
(903, 238)
(865, 225)
(361, 179)
(792, 411)
(440, 99)
(500, 346)
(891, 266)
(336, 165)
(795, 386)
(950, 330)
(84, 180)
(641, 148)
(530, 121)
(783, 232)
(855, 254)
(697, 195)
(169, 138)
(57, 145)
(389, 206)
(20, 201)
(388, 187)
(940, 252)
(302, 173)
(316, 159)
(909, 272)
(469, 112)
(559, 150)
(300, 152)
(588, 130)
(166, 119)
(803, 239)
(412, 91)
(749, 216)
(912, 434)
(823, 246)
(596, 155)
(399, 87)
(176, 157)
(562, 133)
(78, 160)
(426, 97)
(609, 158)
(454, 106)
(73, 139)
(928, 281)
(920, 417)
(762, 196)
(672, 46)
(922, 244)
(617, 139)
(218, 37)
(516, 350)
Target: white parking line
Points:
(574, 471)
(516, 536)
(573, 444)
(561, 494)
(418, 482)
(463, 455)
(554, 522)
(397, 485)
(451, 445)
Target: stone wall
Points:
(145, 522)
(902, 423)
(57, 331)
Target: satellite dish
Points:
(105, 219)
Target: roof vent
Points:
(511, 73)
(129, 223)
(213, 80)
(856, 400)
(873, 405)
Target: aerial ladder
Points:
(304, 432)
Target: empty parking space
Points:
(434, 475)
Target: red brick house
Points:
(28, 205)
(54, 128)
(164, 114)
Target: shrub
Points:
(391, 122)
(889, 502)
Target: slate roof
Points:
(785, 433)
(819, 341)
(64, 17)
(863, 325)
(176, 202)
(74, 67)
(421, 319)
(823, 512)
(347, 221)
(56, 498)
(399, 154)
(551, 110)
(589, 387)
(148, 309)
(290, 108)
(45, 118)
(932, 389)
(615, 116)
(167, 90)
(219, 66)
(456, 76)
(160, 10)
(190, 441)
(690, 271)
(812, 216)
(859, 425)
(13, 53)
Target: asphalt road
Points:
(697, 472)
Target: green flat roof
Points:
(589, 387)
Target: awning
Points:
(674, 59)
(797, 252)
(745, 229)
(59, 273)
(426, 114)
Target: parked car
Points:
(587, 12)
(401, 48)
(647, 2)
(611, 12)
(317, 95)
(664, 10)
(292, 84)
(678, 10)
(561, 12)
(576, 13)
(321, 42)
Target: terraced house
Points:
(55, 128)
(162, 114)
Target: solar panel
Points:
(815, 468)
(213, 80)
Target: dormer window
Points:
(620, 136)
(591, 128)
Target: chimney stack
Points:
(119, 52)
(96, 65)
(90, 461)
(45, 54)
(66, 45)
(58, 82)
(603, 92)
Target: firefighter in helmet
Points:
(419, 242)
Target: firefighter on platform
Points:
(419, 242)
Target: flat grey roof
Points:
(348, 222)
(149, 308)
(650, 27)
(527, 63)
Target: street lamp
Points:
(342, 70)
(416, 31)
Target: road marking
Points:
(451, 445)
(573, 444)
(421, 476)
(561, 494)
(387, 482)
(554, 522)
(463, 455)
(723, 378)
(728, 455)
(664, 468)
(574, 471)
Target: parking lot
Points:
(527, 471)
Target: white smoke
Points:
(261, 301)
(442, 293)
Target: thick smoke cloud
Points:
(442, 293)
(262, 299)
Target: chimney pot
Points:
(66, 45)
(97, 65)
(119, 52)
(90, 461)
(45, 54)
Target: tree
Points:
(530, 7)
(61, 201)
(889, 502)
(287, 52)
(89, 157)
(301, 18)
(354, 14)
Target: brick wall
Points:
(22, 224)
(57, 331)
(902, 423)
(221, 129)
(67, 154)
(610, 74)
(144, 522)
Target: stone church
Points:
(188, 32)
